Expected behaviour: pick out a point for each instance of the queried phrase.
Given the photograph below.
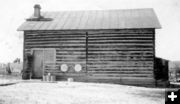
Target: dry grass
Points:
(37, 92)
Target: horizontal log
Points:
(122, 75)
(65, 59)
(54, 34)
(51, 32)
(55, 44)
(110, 48)
(118, 68)
(90, 33)
(100, 54)
(70, 56)
(53, 41)
(125, 53)
(52, 45)
(71, 53)
(124, 31)
(71, 49)
(71, 59)
(56, 39)
(120, 37)
(142, 79)
(121, 44)
(119, 62)
(70, 62)
(122, 40)
(117, 52)
(106, 73)
(97, 50)
(75, 46)
(125, 62)
(62, 74)
(58, 49)
(107, 61)
(119, 56)
(121, 65)
(89, 39)
(97, 31)
(120, 72)
(119, 48)
(101, 66)
(120, 59)
(128, 46)
(83, 41)
(100, 58)
(91, 44)
(113, 33)
(71, 74)
(115, 64)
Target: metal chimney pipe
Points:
(37, 11)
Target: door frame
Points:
(43, 49)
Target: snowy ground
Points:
(37, 92)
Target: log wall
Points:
(115, 56)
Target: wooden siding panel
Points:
(70, 49)
(122, 54)
(111, 53)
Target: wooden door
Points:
(41, 58)
(38, 63)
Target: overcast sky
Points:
(14, 13)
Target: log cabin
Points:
(106, 46)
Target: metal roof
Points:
(95, 19)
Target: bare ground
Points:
(37, 92)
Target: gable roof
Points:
(95, 19)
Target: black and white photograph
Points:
(89, 51)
